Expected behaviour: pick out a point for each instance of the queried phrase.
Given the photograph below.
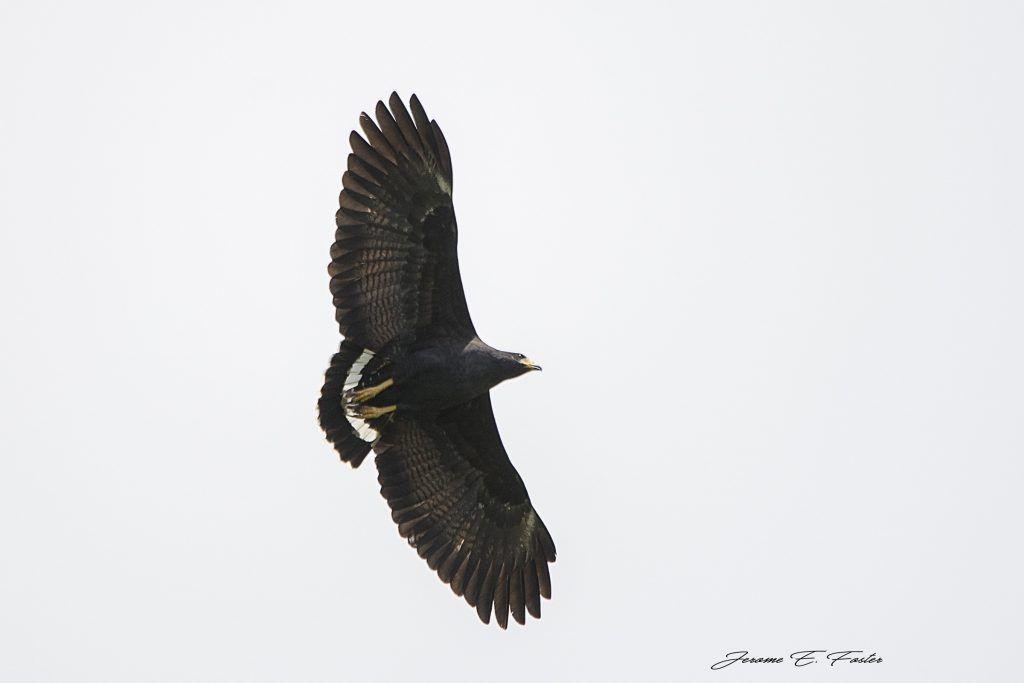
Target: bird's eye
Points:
(520, 356)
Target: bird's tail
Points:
(351, 435)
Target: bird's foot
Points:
(365, 394)
(365, 412)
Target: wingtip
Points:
(483, 610)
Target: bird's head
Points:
(515, 364)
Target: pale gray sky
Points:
(769, 255)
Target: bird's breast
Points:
(436, 379)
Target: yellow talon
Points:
(372, 412)
(364, 395)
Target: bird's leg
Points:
(365, 394)
(371, 412)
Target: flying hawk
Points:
(411, 378)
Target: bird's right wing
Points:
(459, 501)
(394, 268)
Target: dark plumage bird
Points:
(411, 378)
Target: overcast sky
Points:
(769, 255)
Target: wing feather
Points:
(426, 133)
(396, 222)
(458, 500)
(406, 125)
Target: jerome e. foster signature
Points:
(800, 658)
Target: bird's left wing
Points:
(459, 501)
(394, 267)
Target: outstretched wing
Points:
(394, 268)
(459, 501)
